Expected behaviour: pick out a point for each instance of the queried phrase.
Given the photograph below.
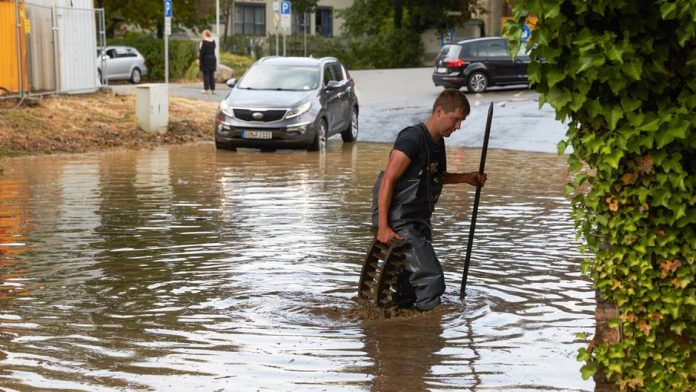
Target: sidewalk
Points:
(184, 90)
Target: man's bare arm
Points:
(473, 178)
(396, 167)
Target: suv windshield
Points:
(277, 77)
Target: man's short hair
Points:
(450, 100)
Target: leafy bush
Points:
(238, 64)
(389, 49)
(245, 45)
(623, 74)
(181, 54)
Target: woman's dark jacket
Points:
(206, 56)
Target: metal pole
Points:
(166, 59)
(102, 44)
(56, 48)
(217, 33)
(277, 41)
(304, 16)
(284, 48)
(19, 50)
(462, 291)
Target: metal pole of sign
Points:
(167, 30)
(472, 228)
(166, 59)
(284, 49)
(277, 33)
(217, 33)
(304, 17)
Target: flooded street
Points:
(187, 268)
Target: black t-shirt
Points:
(411, 142)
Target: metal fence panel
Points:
(54, 44)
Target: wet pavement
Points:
(187, 268)
(396, 98)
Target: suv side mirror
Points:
(333, 84)
(231, 82)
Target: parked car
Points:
(120, 63)
(288, 102)
(479, 63)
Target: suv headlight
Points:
(226, 108)
(302, 109)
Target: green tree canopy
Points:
(369, 17)
(149, 14)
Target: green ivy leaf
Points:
(667, 9)
(561, 147)
(614, 115)
(587, 371)
(615, 54)
(633, 69)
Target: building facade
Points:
(258, 18)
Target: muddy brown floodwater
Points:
(191, 269)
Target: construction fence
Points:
(49, 46)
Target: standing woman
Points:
(207, 62)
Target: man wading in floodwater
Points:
(407, 192)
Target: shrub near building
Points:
(181, 54)
(623, 75)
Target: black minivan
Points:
(479, 63)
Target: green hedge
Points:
(623, 74)
(238, 64)
(182, 53)
(391, 49)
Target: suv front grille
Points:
(260, 115)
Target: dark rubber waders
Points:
(378, 279)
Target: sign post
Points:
(285, 21)
(167, 33)
(276, 20)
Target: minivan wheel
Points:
(351, 133)
(477, 83)
(319, 143)
(135, 76)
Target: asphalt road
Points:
(392, 99)
(380, 88)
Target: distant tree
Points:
(304, 6)
(368, 17)
(149, 14)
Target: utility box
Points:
(152, 107)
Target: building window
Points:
(250, 19)
(324, 22)
(300, 23)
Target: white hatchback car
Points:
(120, 63)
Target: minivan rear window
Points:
(450, 51)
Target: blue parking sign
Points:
(526, 32)
(167, 8)
(285, 8)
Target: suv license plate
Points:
(257, 135)
(441, 69)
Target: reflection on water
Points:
(191, 269)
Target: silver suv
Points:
(120, 63)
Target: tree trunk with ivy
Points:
(622, 74)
